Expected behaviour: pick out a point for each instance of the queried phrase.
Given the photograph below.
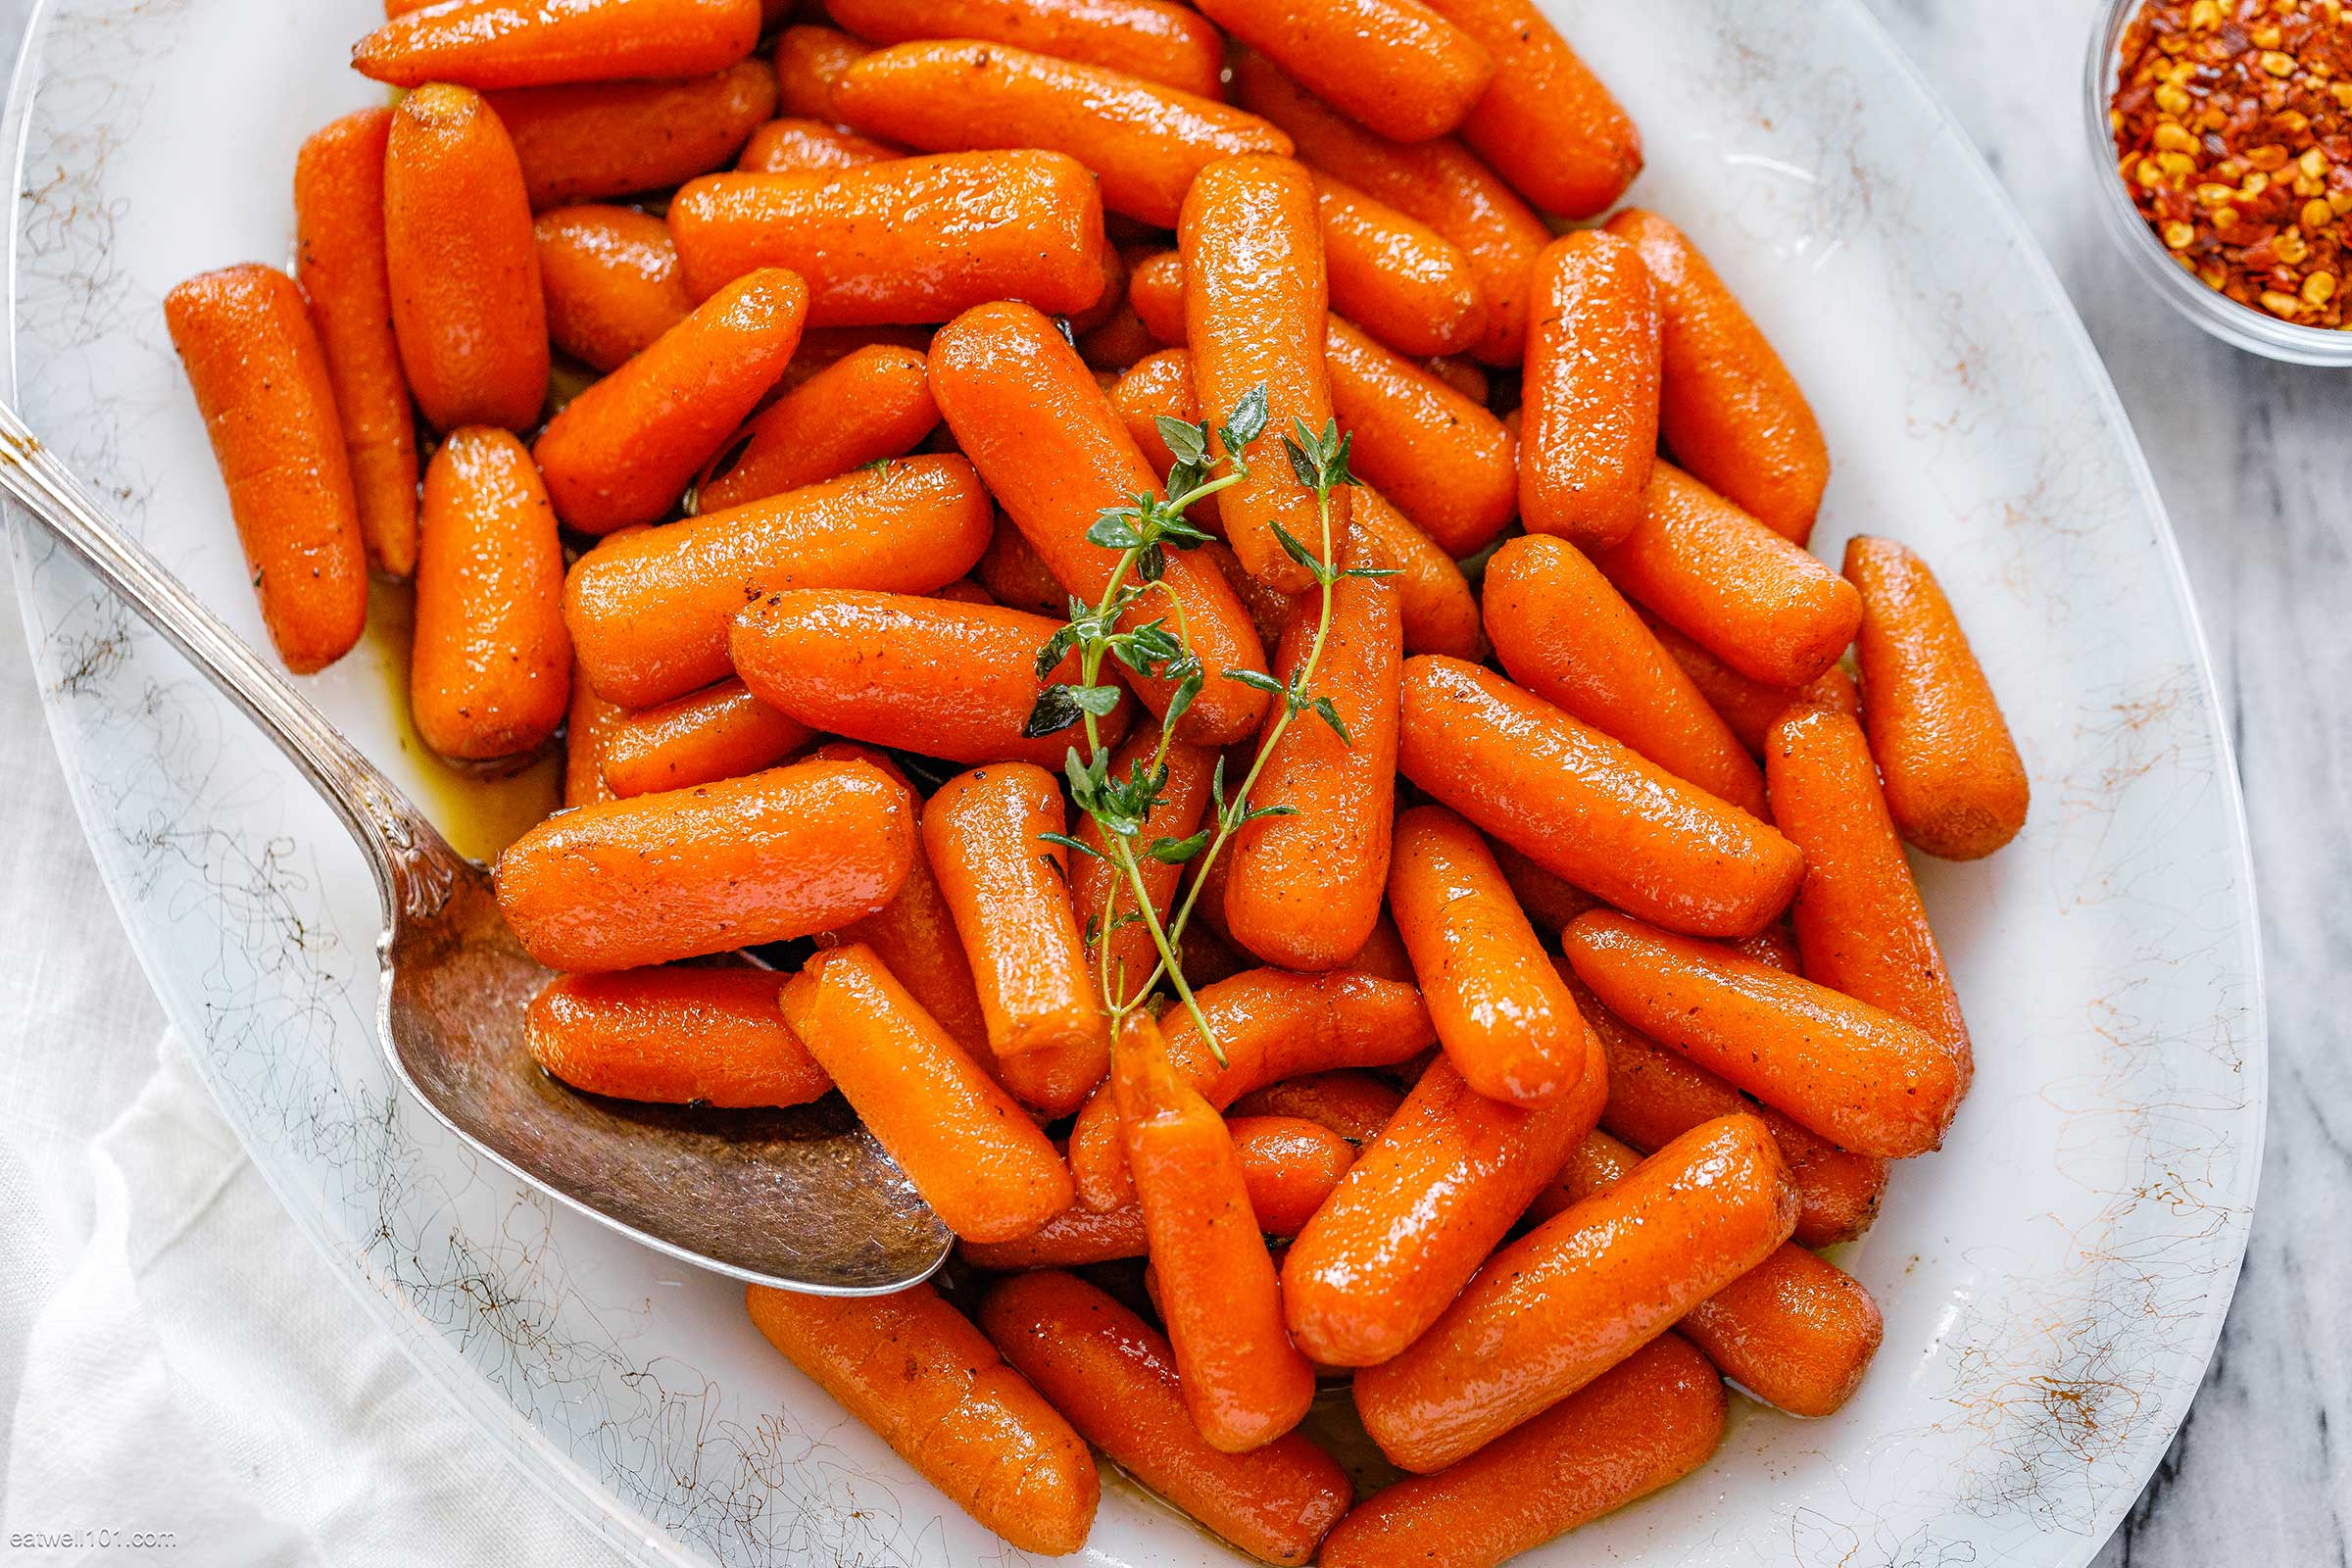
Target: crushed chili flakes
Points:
(2232, 125)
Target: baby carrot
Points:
(587, 729)
(1394, 67)
(1099, 892)
(1396, 276)
(536, 43)
(1015, 576)
(1853, 1073)
(928, 1383)
(1550, 899)
(1442, 460)
(809, 61)
(1731, 411)
(1546, 125)
(1644, 1424)
(783, 853)
(1354, 1106)
(1566, 635)
(675, 1037)
(824, 347)
(262, 384)
(1751, 707)
(973, 1155)
(463, 262)
(1587, 808)
(1116, 1377)
(1170, 44)
(1156, 290)
(610, 281)
(587, 142)
(649, 612)
(1955, 784)
(1117, 344)
(800, 146)
(1241, 1379)
(339, 251)
(867, 406)
(1590, 419)
(1145, 141)
(721, 731)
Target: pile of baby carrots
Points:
(1565, 986)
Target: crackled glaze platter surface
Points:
(2052, 1281)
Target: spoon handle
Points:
(413, 866)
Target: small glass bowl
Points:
(2242, 326)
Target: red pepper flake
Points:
(2232, 124)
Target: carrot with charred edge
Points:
(1853, 1073)
(801, 146)
(587, 729)
(1643, 1425)
(538, 43)
(1421, 1208)
(1145, 142)
(673, 1037)
(809, 61)
(1115, 1379)
(1442, 460)
(868, 406)
(1730, 411)
(973, 1155)
(650, 613)
(928, 1383)
(1396, 276)
(1034, 422)
(783, 853)
(1015, 576)
(1103, 904)
(588, 142)
(1955, 784)
(1749, 706)
(1440, 181)
(1566, 635)
(339, 260)
(1242, 1381)
(1590, 419)
(1546, 125)
(721, 731)
(1356, 1106)
(1587, 808)
(1170, 44)
(1394, 67)
(610, 281)
(463, 262)
(262, 384)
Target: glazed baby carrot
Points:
(1421, 1208)
(1103, 898)
(1443, 461)
(911, 239)
(1146, 141)
(613, 138)
(610, 281)
(809, 61)
(1354, 1106)
(1591, 419)
(1644, 1424)
(649, 612)
(973, 1155)
(928, 1383)
(1587, 808)
(1155, 291)
(1550, 899)
(1015, 576)
(1731, 411)
(1118, 342)
(262, 384)
(339, 260)
(1254, 302)
(1116, 1377)
(1566, 635)
(1241, 1379)
(868, 406)
(1749, 706)
(798, 146)
(1383, 954)
(1760, 604)
(1032, 418)
(824, 347)
(464, 260)
(1154, 39)
(1954, 782)
(1110, 301)
(721, 731)
(1853, 1073)
(537, 43)
(1579, 1293)
(490, 673)
(783, 853)
(587, 727)
(1396, 276)
(674, 1035)
(1504, 1018)
(1546, 125)
(1394, 67)
(1440, 181)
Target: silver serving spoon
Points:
(801, 1199)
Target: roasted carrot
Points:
(339, 260)
(1160, 386)
(1443, 461)
(1550, 899)
(1955, 784)
(261, 381)
(1156, 290)
(824, 347)
(1116, 1377)
(587, 142)
(866, 408)
(1383, 954)
(1547, 123)
(1396, 66)
(1731, 411)
(1353, 1104)
(673, 1036)
(1109, 302)
(610, 281)
(649, 612)
(1590, 419)
(1118, 342)
(801, 146)
(464, 260)
(587, 729)
(1396, 276)
(1644, 1424)
(1015, 576)
(1145, 141)
(721, 731)
(1751, 707)
(1100, 892)
(783, 853)
(928, 1383)
(1154, 39)
(538, 43)
(809, 61)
